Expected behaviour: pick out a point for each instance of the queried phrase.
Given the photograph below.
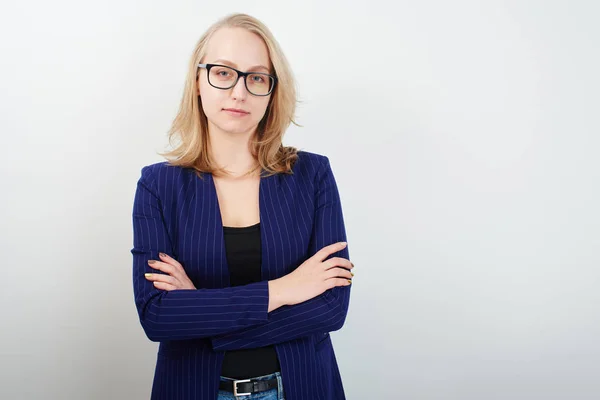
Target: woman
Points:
(240, 266)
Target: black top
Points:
(243, 248)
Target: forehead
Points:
(238, 45)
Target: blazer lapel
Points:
(269, 220)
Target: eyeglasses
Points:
(224, 77)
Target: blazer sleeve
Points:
(183, 314)
(324, 313)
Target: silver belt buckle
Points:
(235, 392)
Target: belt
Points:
(244, 387)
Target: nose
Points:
(239, 90)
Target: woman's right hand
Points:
(313, 277)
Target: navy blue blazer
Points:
(177, 213)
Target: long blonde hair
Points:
(190, 126)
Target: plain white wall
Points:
(464, 137)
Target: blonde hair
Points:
(190, 126)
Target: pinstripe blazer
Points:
(177, 213)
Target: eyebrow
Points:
(235, 65)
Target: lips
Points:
(237, 110)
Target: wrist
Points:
(276, 299)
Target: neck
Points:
(231, 151)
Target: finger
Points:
(331, 283)
(168, 259)
(161, 278)
(327, 250)
(338, 262)
(162, 266)
(339, 273)
(164, 286)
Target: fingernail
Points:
(148, 275)
(151, 261)
(344, 243)
(351, 263)
(352, 273)
(349, 281)
(162, 254)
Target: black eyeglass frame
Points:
(240, 74)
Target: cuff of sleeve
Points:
(258, 311)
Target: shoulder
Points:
(311, 172)
(309, 164)
(161, 175)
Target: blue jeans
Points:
(271, 394)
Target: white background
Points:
(464, 137)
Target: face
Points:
(245, 51)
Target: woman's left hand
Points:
(176, 278)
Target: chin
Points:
(236, 128)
